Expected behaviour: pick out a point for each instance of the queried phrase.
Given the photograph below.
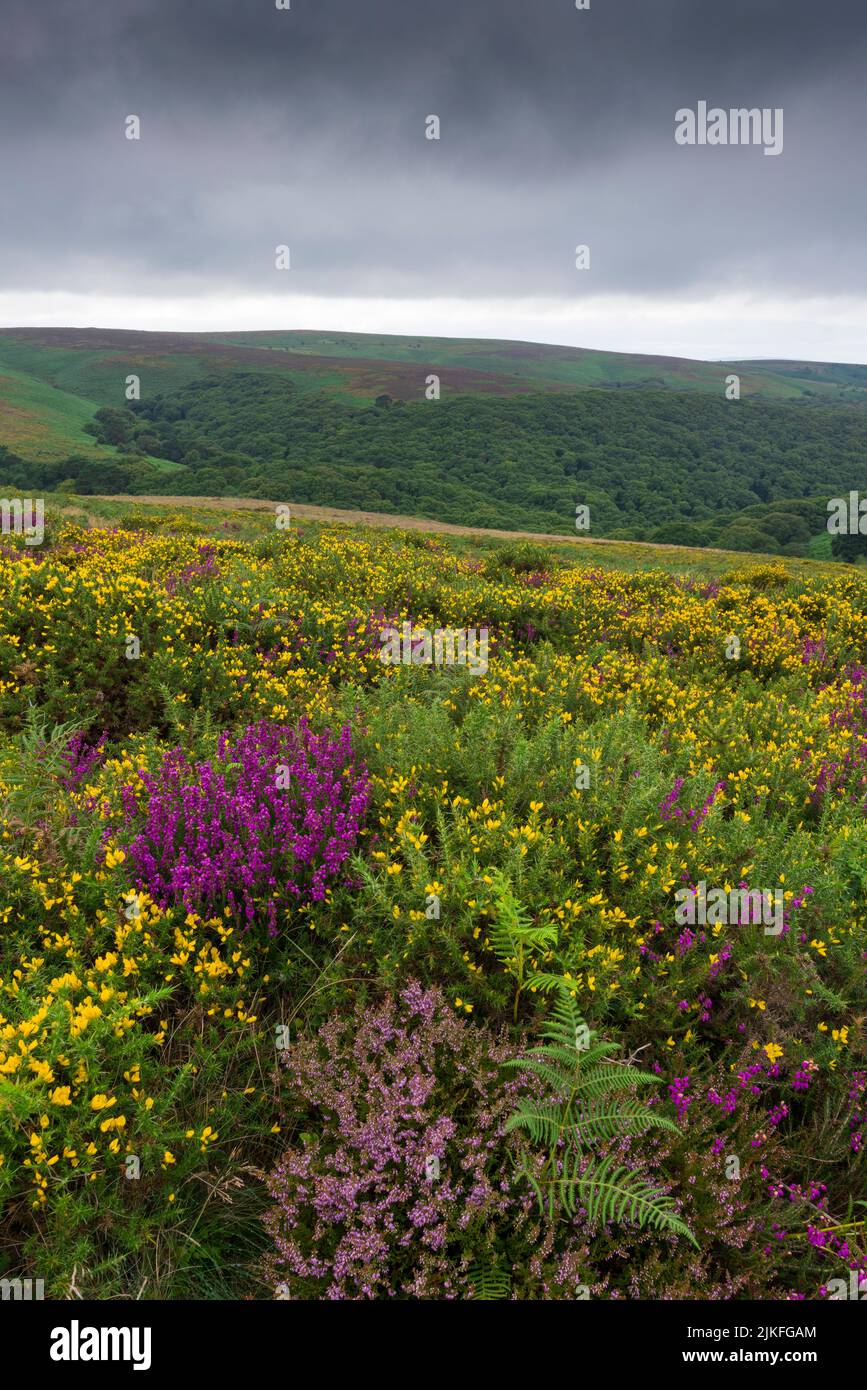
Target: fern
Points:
(31, 766)
(514, 939)
(488, 1283)
(585, 1104)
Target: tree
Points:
(849, 548)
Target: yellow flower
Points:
(773, 1051)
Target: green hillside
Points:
(550, 366)
(521, 434)
(40, 420)
(49, 395)
(94, 363)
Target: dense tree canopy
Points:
(652, 465)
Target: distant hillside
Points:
(654, 465)
(522, 432)
(84, 368)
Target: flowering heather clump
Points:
(80, 760)
(389, 1094)
(696, 818)
(271, 821)
(204, 567)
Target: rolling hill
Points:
(521, 432)
(91, 365)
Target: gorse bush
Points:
(521, 557)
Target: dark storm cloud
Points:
(307, 127)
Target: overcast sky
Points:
(306, 127)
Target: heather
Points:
(282, 923)
(380, 1100)
(273, 819)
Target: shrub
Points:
(271, 821)
(521, 557)
(377, 1096)
(374, 1099)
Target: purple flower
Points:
(270, 822)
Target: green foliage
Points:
(514, 938)
(489, 1284)
(641, 460)
(850, 548)
(584, 1105)
(521, 557)
(542, 887)
(32, 764)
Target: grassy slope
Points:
(42, 422)
(47, 396)
(52, 380)
(576, 367)
(90, 362)
(96, 362)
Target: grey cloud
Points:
(307, 127)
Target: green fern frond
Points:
(488, 1283)
(609, 1120)
(558, 1080)
(611, 1193)
(564, 1055)
(32, 763)
(607, 1077)
(514, 939)
(543, 1123)
(586, 1104)
(546, 983)
(506, 940)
